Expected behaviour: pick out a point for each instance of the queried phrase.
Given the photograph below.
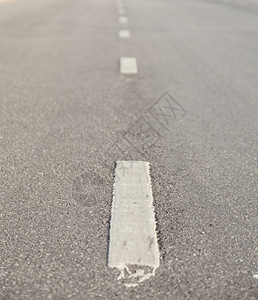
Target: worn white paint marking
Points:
(120, 3)
(133, 246)
(128, 65)
(255, 276)
(123, 20)
(121, 11)
(124, 34)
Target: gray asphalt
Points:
(66, 116)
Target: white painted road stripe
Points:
(123, 20)
(124, 34)
(128, 65)
(120, 3)
(133, 238)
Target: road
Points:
(67, 115)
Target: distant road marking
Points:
(123, 20)
(128, 65)
(120, 3)
(124, 34)
(121, 11)
(133, 245)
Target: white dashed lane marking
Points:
(123, 20)
(128, 65)
(124, 34)
(120, 3)
(133, 242)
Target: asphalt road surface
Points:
(67, 115)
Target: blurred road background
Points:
(64, 112)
